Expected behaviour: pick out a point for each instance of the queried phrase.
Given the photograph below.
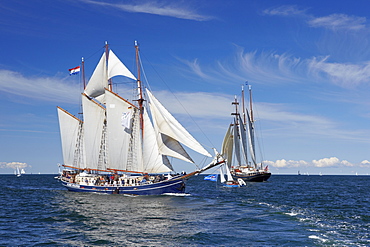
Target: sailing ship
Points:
(122, 147)
(238, 147)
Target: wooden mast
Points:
(106, 59)
(250, 103)
(140, 89)
(83, 72)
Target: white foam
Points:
(318, 238)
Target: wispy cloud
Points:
(282, 69)
(163, 8)
(339, 22)
(51, 89)
(334, 22)
(345, 75)
(285, 10)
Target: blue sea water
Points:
(35, 210)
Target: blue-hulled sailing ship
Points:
(122, 147)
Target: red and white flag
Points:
(74, 71)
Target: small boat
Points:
(239, 143)
(229, 180)
(117, 146)
(18, 173)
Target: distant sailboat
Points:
(122, 147)
(238, 147)
(18, 173)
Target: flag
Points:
(126, 119)
(212, 177)
(266, 168)
(74, 71)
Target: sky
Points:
(308, 63)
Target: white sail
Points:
(116, 67)
(228, 174)
(118, 129)
(166, 144)
(69, 132)
(222, 176)
(237, 144)
(98, 81)
(243, 139)
(227, 146)
(94, 117)
(154, 162)
(250, 130)
(169, 126)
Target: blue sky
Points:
(308, 63)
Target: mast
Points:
(106, 58)
(243, 104)
(250, 103)
(140, 89)
(83, 72)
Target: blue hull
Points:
(231, 185)
(168, 186)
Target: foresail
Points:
(169, 126)
(98, 81)
(154, 162)
(119, 118)
(166, 144)
(94, 118)
(116, 67)
(69, 133)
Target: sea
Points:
(287, 210)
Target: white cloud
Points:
(286, 163)
(339, 22)
(51, 89)
(325, 162)
(156, 8)
(365, 163)
(344, 75)
(13, 165)
(285, 10)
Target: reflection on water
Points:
(118, 219)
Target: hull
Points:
(253, 177)
(231, 185)
(169, 186)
